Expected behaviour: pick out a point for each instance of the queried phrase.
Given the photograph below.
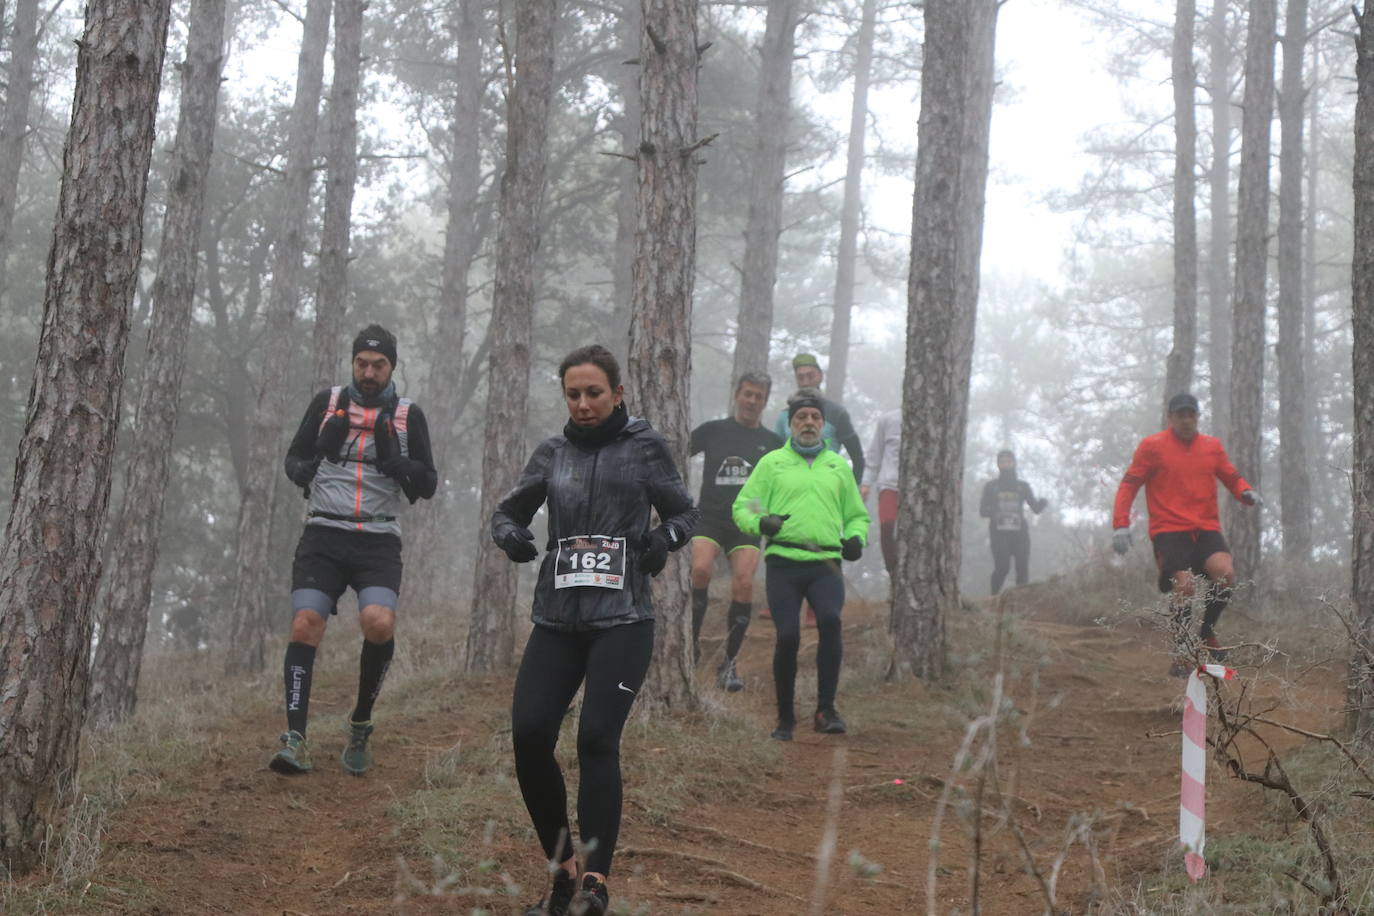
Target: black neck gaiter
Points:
(598, 435)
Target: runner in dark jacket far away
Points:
(361, 454)
(733, 446)
(593, 611)
(1179, 468)
(1003, 498)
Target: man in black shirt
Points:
(733, 446)
(1003, 498)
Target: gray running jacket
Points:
(351, 493)
(608, 491)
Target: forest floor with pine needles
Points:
(1072, 795)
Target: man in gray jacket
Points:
(359, 454)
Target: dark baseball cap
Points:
(1183, 401)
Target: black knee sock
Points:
(300, 660)
(1216, 603)
(700, 598)
(738, 621)
(372, 665)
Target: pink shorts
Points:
(887, 507)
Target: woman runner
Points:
(593, 614)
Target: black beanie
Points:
(377, 338)
(807, 397)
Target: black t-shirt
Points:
(1003, 498)
(732, 450)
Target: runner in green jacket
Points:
(803, 498)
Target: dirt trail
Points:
(244, 840)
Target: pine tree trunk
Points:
(1294, 475)
(50, 559)
(1252, 243)
(491, 634)
(128, 589)
(1219, 249)
(660, 357)
(942, 294)
(1360, 718)
(430, 554)
(847, 259)
(252, 585)
(19, 80)
(1179, 367)
(332, 293)
(627, 193)
(759, 270)
(1312, 425)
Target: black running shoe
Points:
(592, 900)
(783, 732)
(555, 902)
(727, 678)
(828, 722)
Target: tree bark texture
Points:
(1219, 249)
(128, 588)
(1252, 244)
(1295, 483)
(759, 270)
(660, 348)
(942, 295)
(1360, 718)
(491, 633)
(631, 26)
(331, 295)
(429, 552)
(19, 80)
(1179, 367)
(847, 258)
(270, 405)
(50, 560)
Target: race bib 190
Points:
(733, 472)
(590, 559)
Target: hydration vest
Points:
(349, 491)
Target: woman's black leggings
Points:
(822, 585)
(613, 662)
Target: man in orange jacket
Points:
(1179, 468)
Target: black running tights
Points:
(613, 662)
(822, 585)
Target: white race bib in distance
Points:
(590, 560)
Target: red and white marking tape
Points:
(1192, 793)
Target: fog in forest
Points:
(1074, 316)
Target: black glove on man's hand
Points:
(334, 432)
(400, 467)
(852, 548)
(653, 551)
(519, 545)
(302, 472)
(770, 525)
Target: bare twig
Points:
(825, 852)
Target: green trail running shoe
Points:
(356, 757)
(294, 756)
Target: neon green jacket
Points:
(822, 499)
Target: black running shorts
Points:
(725, 535)
(331, 559)
(1179, 550)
